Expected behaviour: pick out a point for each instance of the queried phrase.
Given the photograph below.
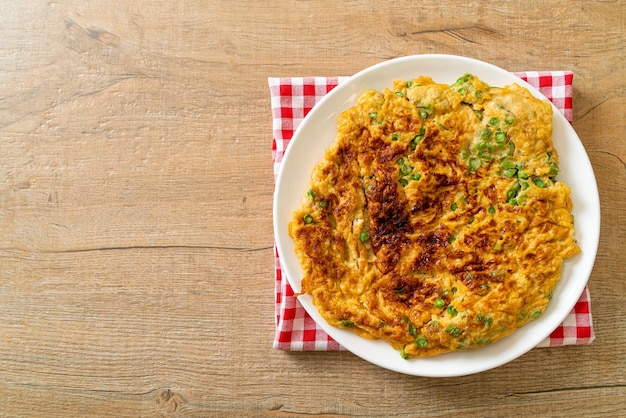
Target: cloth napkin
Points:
(291, 99)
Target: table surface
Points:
(136, 244)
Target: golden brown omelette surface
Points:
(435, 220)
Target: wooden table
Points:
(136, 244)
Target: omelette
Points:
(435, 220)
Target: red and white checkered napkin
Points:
(292, 98)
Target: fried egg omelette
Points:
(435, 220)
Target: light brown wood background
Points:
(136, 261)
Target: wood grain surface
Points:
(136, 260)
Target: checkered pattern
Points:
(291, 99)
(577, 327)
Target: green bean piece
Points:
(417, 139)
(421, 341)
(463, 79)
(453, 330)
(500, 136)
(474, 163)
(511, 150)
(403, 354)
(509, 172)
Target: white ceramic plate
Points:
(318, 131)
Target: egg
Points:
(435, 220)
